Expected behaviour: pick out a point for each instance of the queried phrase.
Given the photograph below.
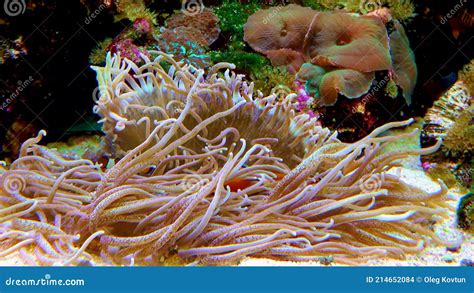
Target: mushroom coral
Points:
(328, 85)
(278, 33)
(348, 82)
(333, 41)
(281, 27)
(211, 174)
(405, 72)
(348, 41)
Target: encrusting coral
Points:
(460, 137)
(446, 111)
(467, 76)
(206, 176)
(205, 24)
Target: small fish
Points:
(106, 163)
(241, 184)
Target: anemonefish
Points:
(241, 184)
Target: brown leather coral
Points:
(348, 41)
(278, 27)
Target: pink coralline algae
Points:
(143, 26)
(127, 49)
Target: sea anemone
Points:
(210, 173)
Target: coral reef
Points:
(446, 111)
(19, 131)
(184, 46)
(205, 24)
(188, 37)
(451, 119)
(466, 75)
(206, 176)
(127, 49)
(232, 16)
(405, 72)
(11, 49)
(466, 212)
(98, 55)
(460, 136)
(270, 79)
(247, 62)
(81, 147)
(134, 10)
